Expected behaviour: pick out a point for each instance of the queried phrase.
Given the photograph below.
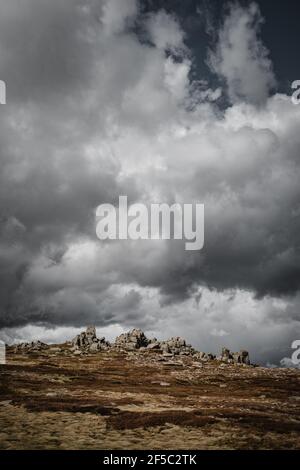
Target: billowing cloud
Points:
(165, 32)
(102, 103)
(241, 58)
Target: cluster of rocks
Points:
(136, 341)
(176, 346)
(87, 341)
(203, 356)
(228, 357)
(30, 347)
(241, 357)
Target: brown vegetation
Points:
(114, 400)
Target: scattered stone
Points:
(197, 364)
(162, 384)
(5, 402)
(135, 341)
(77, 352)
(173, 363)
(154, 345)
(165, 354)
(55, 350)
(295, 397)
(30, 347)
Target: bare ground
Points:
(51, 400)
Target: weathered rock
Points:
(176, 346)
(211, 357)
(87, 341)
(94, 347)
(91, 333)
(134, 339)
(154, 345)
(165, 354)
(197, 364)
(203, 356)
(77, 352)
(226, 356)
(165, 347)
(30, 347)
(241, 357)
(55, 349)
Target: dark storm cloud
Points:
(94, 113)
(42, 52)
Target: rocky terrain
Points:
(140, 393)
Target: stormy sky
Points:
(163, 102)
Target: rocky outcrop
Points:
(241, 357)
(203, 356)
(176, 346)
(87, 341)
(30, 347)
(134, 339)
